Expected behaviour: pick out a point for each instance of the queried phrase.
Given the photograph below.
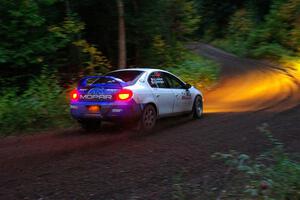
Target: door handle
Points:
(157, 95)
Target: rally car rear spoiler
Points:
(117, 81)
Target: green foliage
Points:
(272, 175)
(240, 24)
(42, 105)
(96, 62)
(237, 47)
(161, 53)
(91, 61)
(192, 68)
(183, 17)
(156, 27)
(215, 17)
(198, 71)
(67, 36)
(164, 55)
(67, 31)
(272, 50)
(275, 35)
(32, 35)
(24, 36)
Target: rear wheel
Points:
(90, 125)
(148, 118)
(198, 108)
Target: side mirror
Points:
(187, 86)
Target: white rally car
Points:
(137, 94)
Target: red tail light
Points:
(74, 95)
(124, 94)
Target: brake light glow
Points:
(124, 94)
(74, 95)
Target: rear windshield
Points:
(101, 80)
(127, 76)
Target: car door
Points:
(183, 98)
(164, 96)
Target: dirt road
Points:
(174, 160)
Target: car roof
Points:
(148, 70)
(140, 69)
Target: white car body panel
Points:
(164, 100)
(168, 101)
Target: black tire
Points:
(197, 108)
(148, 119)
(90, 125)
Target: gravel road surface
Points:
(172, 162)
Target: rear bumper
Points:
(109, 111)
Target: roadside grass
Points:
(231, 46)
(178, 192)
(243, 48)
(274, 174)
(196, 70)
(42, 105)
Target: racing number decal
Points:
(157, 80)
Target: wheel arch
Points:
(201, 97)
(154, 105)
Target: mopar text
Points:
(96, 96)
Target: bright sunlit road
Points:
(251, 85)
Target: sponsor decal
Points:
(96, 96)
(187, 96)
(157, 81)
(96, 93)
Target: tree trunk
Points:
(136, 35)
(122, 35)
(68, 7)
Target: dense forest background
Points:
(79, 36)
(46, 45)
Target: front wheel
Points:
(198, 108)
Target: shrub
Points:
(272, 50)
(197, 71)
(164, 55)
(238, 47)
(272, 175)
(42, 105)
(274, 36)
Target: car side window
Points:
(157, 80)
(174, 82)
